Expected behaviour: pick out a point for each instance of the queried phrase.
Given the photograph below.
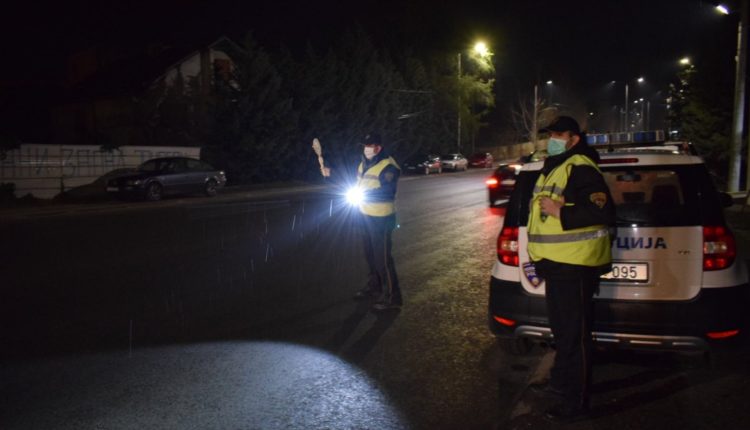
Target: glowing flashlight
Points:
(355, 196)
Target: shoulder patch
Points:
(599, 199)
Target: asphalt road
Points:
(236, 312)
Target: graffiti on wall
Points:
(46, 170)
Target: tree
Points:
(254, 122)
(701, 118)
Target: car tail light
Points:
(507, 246)
(492, 182)
(719, 248)
(504, 321)
(722, 334)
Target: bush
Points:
(7, 192)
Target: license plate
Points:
(633, 272)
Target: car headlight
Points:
(355, 196)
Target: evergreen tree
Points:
(255, 123)
(702, 118)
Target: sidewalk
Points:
(94, 202)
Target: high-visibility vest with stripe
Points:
(587, 246)
(370, 180)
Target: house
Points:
(147, 96)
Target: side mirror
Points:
(726, 199)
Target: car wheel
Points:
(154, 192)
(210, 188)
(515, 346)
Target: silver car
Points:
(454, 162)
(170, 175)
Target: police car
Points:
(676, 282)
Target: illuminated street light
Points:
(481, 49)
(549, 82)
(685, 61)
(722, 9)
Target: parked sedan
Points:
(423, 164)
(481, 159)
(454, 162)
(167, 176)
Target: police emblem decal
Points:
(599, 199)
(530, 272)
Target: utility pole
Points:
(535, 116)
(738, 120)
(626, 109)
(458, 106)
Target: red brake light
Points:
(504, 321)
(719, 249)
(507, 246)
(722, 334)
(492, 182)
(618, 160)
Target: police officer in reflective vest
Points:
(377, 176)
(569, 244)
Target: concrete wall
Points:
(45, 171)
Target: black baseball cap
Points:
(372, 139)
(561, 124)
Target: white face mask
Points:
(369, 152)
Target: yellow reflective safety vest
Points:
(587, 246)
(370, 180)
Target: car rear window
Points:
(649, 196)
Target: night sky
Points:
(580, 44)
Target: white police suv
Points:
(676, 283)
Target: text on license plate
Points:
(628, 272)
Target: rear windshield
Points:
(648, 196)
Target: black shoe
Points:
(366, 294)
(386, 306)
(563, 413)
(545, 389)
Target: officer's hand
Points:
(551, 207)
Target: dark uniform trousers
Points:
(376, 232)
(570, 309)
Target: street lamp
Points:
(640, 80)
(738, 119)
(535, 115)
(481, 49)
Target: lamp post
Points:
(738, 119)
(535, 113)
(480, 49)
(640, 80)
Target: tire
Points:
(515, 346)
(210, 188)
(154, 192)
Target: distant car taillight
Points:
(507, 246)
(492, 182)
(719, 248)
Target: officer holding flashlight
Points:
(377, 177)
